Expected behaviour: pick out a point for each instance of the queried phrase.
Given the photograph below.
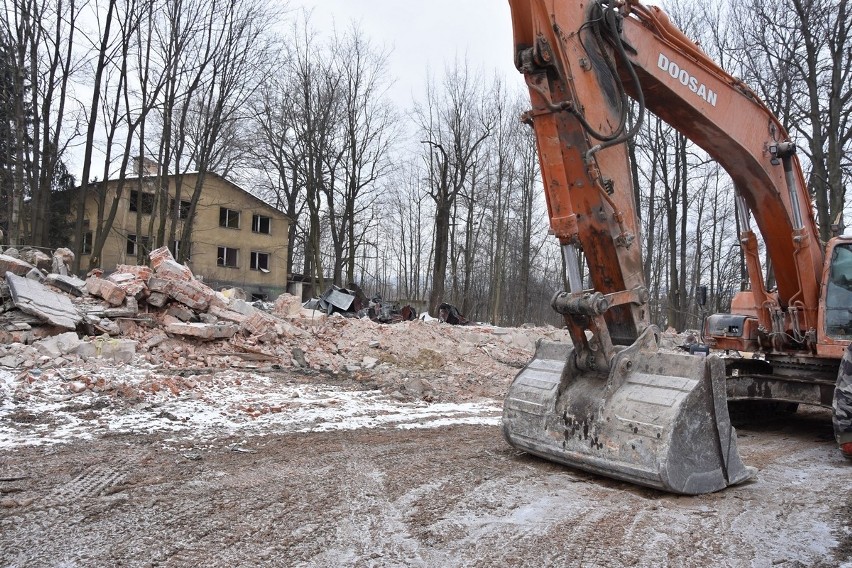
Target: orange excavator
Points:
(612, 402)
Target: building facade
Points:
(237, 240)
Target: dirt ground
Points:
(422, 495)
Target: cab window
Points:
(838, 294)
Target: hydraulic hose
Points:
(609, 19)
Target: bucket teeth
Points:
(656, 419)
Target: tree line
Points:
(439, 201)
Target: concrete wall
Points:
(207, 234)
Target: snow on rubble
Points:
(42, 412)
(156, 350)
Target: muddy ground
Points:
(430, 485)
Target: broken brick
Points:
(260, 323)
(109, 291)
(160, 255)
(171, 270)
(192, 293)
(14, 265)
(141, 272)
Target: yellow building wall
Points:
(207, 234)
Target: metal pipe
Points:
(572, 267)
(794, 193)
(742, 212)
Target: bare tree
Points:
(241, 51)
(368, 134)
(452, 128)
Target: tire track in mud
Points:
(259, 514)
(94, 481)
(73, 499)
(455, 496)
(371, 528)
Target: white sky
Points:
(426, 35)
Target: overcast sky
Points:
(425, 35)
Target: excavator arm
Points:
(612, 402)
(579, 60)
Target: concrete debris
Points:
(58, 345)
(13, 264)
(62, 261)
(105, 347)
(167, 319)
(204, 331)
(36, 258)
(36, 299)
(67, 283)
(36, 274)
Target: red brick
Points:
(192, 293)
(109, 291)
(141, 272)
(158, 256)
(171, 270)
(260, 323)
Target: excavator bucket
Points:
(656, 418)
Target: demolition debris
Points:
(165, 320)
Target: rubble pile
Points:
(165, 319)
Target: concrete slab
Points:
(202, 330)
(69, 284)
(36, 299)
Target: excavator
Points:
(612, 402)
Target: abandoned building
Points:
(237, 240)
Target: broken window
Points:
(261, 224)
(227, 257)
(87, 243)
(134, 241)
(176, 247)
(183, 212)
(141, 202)
(229, 218)
(260, 261)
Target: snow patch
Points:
(40, 410)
